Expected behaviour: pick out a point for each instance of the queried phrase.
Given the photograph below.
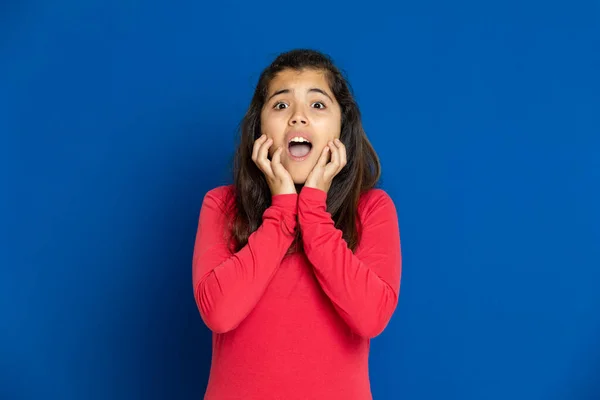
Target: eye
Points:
(280, 106)
(318, 105)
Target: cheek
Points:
(277, 142)
(273, 128)
(330, 127)
(337, 130)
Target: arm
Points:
(364, 286)
(227, 286)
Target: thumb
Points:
(323, 159)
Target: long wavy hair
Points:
(361, 173)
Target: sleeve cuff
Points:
(284, 207)
(313, 194)
(312, 207)
(286, 201)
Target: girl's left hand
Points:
(323, 173)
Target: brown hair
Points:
(361, 173)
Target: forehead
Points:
(303, 79)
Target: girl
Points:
(297, 265)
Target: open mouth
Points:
(299, 148)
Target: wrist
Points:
(314, 193)
(313, 186)
(283, 192)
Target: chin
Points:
(299, 173)
(300, 180)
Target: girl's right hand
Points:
(279, 179)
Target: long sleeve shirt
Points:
(295, 326)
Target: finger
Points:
(263, 152)
(257, 143)
(332, 168)
(276, 159)
(342, 149)
(263, 161)
(324, 156)
(278, 169)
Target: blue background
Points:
(117, 117)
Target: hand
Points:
(279, 179)
(324, 172)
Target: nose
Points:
(298, 118)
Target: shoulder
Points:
(223, 196)
(375, 200)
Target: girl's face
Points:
(301, 115)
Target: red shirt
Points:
(295, 326)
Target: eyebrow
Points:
(317, 90)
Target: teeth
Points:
(299, 139)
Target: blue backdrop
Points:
(117, 117)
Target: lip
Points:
(294, 134)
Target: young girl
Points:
(297, 265)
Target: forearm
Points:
(228, 286)
(363, 287)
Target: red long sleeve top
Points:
(295, 326)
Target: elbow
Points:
(217, 325)
(371, 330)
(376, 319)
(213, 317)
